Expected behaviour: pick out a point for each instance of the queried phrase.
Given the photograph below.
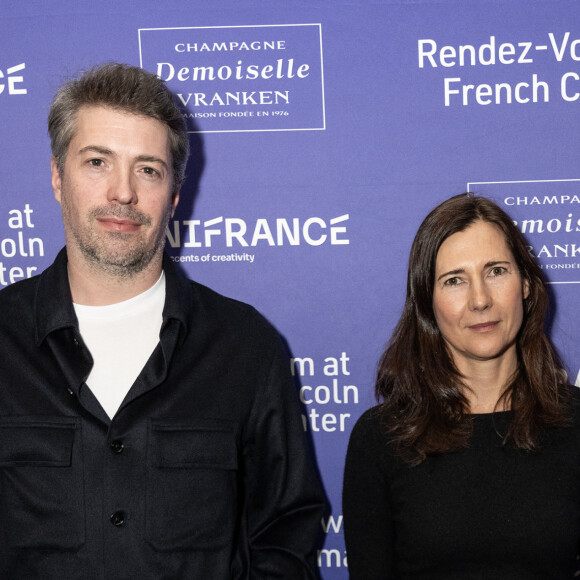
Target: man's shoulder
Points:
(231, 325)
(19, 292)
(224, 306)
(17, 305)
(25, 291)
(212, 297)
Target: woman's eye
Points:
(452, 282)
(498, 271)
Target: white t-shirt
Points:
(121, 338)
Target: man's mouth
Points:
(115, 224)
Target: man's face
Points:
(115, 190)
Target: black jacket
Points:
(202, 473)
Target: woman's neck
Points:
(487, 380)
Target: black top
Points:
(202, 473)
(490, 511)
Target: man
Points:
(148, 428)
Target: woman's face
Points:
(478, 295)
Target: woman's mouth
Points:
(484, 326)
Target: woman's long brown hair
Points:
(424, 406)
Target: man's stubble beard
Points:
(124, 257)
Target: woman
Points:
(470, 467)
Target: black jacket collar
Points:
(53, 302)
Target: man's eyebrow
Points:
(151, 159)
(96, 149)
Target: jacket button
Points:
(117, 446)
(118, 518)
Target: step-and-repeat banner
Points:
(323, 133)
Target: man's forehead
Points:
(110, 124)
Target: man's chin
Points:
(121, 264)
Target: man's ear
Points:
(55, 180)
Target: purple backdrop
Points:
(324, 133)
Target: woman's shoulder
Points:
(569, 432)
(371, 449)
(369, 420)
(370, 430)
(574, 403)
(575, 393)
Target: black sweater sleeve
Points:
(368, 523)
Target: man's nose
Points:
(123, 188)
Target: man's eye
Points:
(150, 171)
(96, 162)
